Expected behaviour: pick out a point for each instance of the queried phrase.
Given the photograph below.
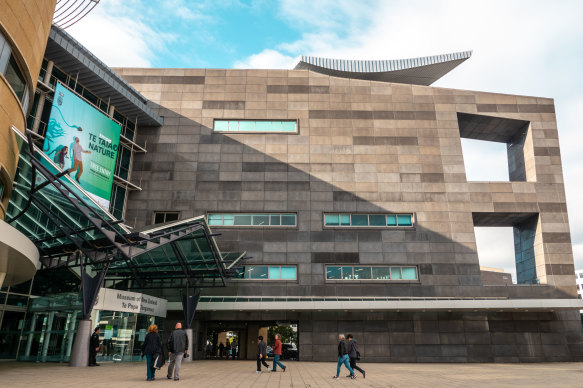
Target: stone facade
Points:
(367, 147)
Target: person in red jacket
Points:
(277, 353)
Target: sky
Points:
(532, 48)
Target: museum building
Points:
(332, 196)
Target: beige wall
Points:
(25, 24)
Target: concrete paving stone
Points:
(215, 373)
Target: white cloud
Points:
(119, 38)
(496, 248)
(267, 59)
(520, 47)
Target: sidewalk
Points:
(224, 373)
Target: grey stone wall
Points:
(362, 146)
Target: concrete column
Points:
(2, 276)
(30, 335)
(252, 334)
(49, 72)
(41, 101)
(47, 335)
(190, 346)
(111, 110)
(80, 355)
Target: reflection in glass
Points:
(288, 273)
(333, 273)
(362, 273)
(395, 273)
(381, 273)
(347, 273)
(409, 273)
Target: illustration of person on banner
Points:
(77, 152)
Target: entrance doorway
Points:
(244, 335)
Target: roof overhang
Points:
(73, 58)
(415, 71)
(209, 303)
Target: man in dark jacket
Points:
(94, 347)
(343, 357)
(353, 354)
(261, 353)
(177, 348)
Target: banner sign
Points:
(131, 302)
(81, 138)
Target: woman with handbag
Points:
(151, 347)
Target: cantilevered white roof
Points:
(416, 71)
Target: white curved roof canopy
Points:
(416, 71)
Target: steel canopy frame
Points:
(100, 242)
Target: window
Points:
(257, 126)
(253, 220)
(371, 273)
(268, 272)
(162, 217)
(368, 220)
(11, 71)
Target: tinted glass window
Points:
(333, 273)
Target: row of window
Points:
(277, 272)
(11, 71)
(268, 272)
(371, 273)
(368, 220)
(255, 126)
(330, 220)
(259, 219)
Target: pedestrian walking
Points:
(261, 353)
(277, 354)
(343, 357)
(94, 347)
(152, 349)
(221, 350)
(177, 349)
(354, 354)
(228, 349)
(234, 349)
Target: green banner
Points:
(84, 140)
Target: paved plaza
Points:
(299, 374)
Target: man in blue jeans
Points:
(343, 357)
(277, 353)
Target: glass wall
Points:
(48, 332)
(258, 219)
(268, 272)
(368, 220)
(372, 273)
(256, 126)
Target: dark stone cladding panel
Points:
(560, 207)
(372, 115)
(234, 105)
(335, 257)
(515, 108)
(385, 140)
(298, 89)
(165, 79)
(559, 269)
(547, 151)
(556, 237)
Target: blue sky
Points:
(522, 47)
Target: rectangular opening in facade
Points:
(482, 157)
